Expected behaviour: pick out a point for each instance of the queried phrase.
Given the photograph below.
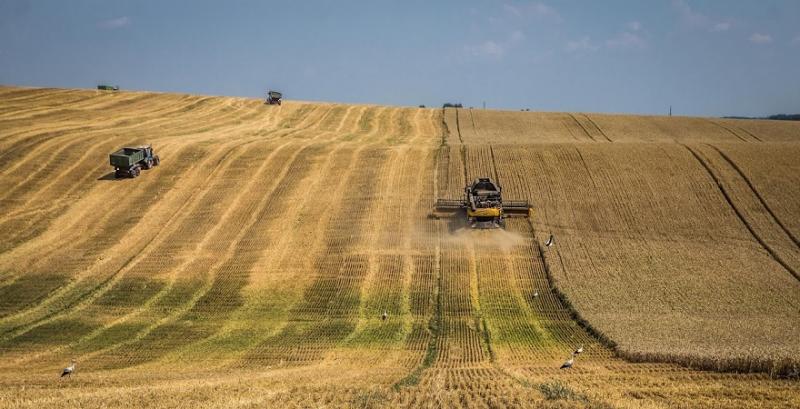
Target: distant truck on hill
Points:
(106, 87)
(274, 98)
(129, 161)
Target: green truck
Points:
(129, 161)
(106, 87)
(274, 98)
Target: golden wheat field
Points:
(251, 268)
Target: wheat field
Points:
(252, 267)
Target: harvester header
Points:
(484, 206)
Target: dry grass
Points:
(251, 268)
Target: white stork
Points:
(578, 351)
(550, 241)
(568, 363)
(69, 370)
(384, 316)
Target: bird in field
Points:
(550, 241)
(578, 351)
(535, 294)
(384, 316)
(69, 370)
(568, 363)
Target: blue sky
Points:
(702, 57)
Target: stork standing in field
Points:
(384, 316)
(550, 241)
(568, 363)
(578, 351)
(69, 370)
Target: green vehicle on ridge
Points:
(129, 161)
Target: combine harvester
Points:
(484, 205)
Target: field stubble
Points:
(253, 266)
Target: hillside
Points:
(251, 268)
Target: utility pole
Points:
(484, 104)
(670, 110)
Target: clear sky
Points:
(712, 58)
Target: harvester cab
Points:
(274, 98)
(484, 206)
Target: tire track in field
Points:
(730, 131)
(586, 131)
(758, 195)
(775, 256)
(597, 127)
(748, 132)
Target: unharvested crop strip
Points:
(562, 298)
(739, 214)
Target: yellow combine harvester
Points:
(484, 205)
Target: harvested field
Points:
(252, 267)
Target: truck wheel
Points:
(134, 172)
(156, 161)
(148, 164)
